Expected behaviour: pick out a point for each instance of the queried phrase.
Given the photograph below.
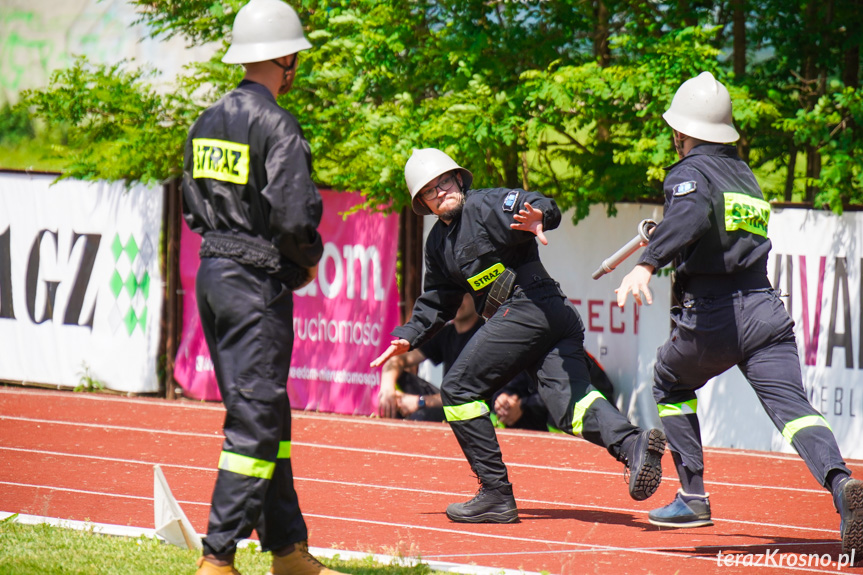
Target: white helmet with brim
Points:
(701, 108)
(264, 30)
(425, 165)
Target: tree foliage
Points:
(563, 96)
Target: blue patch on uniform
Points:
(684, 188)
(509, 201)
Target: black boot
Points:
(489, 505)
(644, 463)
(849, 504)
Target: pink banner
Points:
(342, 320)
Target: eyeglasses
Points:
(443, 185)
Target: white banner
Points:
(80, 285)
(816, 259)
(623, 341)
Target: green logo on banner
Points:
(130, 283)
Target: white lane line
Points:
(458, 495)
(374, 420)
(135, 532)
(400, 454)
(582, 547)
(127, 531)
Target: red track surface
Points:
(381, 486)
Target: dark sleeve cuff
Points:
(406, 333)
(647, 259)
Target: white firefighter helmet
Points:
(701, 108)
(423, 166)
(264, 30)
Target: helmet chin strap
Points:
(286, 70)
(678, 143)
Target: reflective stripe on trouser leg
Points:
(251, 355)
(245, 465)
(478, 441)
(813, 439)
(464, 412)
(580, 408)
(574, 405)
(683, 408)
(537, 330)
(792, 427)
(683, 432)
(775, 375)
(604, 425)
(472, 426)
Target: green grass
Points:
(47, 550)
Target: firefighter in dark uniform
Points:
(715, 232)
(247, 190)
(484, 243)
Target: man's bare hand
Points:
(529, 219)
(635, 282)
(388, 401)
(408, 404)
(507, 407)
(397, 347)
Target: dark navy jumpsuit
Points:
(715, 231)
(536, 329)
(247, 190)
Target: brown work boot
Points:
(207, 568)
(299, 562)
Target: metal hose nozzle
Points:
(645, 227)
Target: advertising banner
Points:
(342, 319)
(815, 262)
(624, 341)
(80, 284)
(816, 265)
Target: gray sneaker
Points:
(495, 505)
(685, 511)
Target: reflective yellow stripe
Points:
(792, 427)
(746, 213)
(220, 160)
(685, 408)
(580, 409)
(245, 465)
(485, 277)
(466, 411)
(284, 450)
(553, 429)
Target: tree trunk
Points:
(738, 19)
(851, 55)
(601, 49)
(512, 168)
(684, 10)
(411, 256)
(813, 87)
(789, 177)
(813, 171)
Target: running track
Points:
(381, 487)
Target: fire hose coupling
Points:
(645, 227)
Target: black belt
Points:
(255, 252)
(502, 287)
(714, 285)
